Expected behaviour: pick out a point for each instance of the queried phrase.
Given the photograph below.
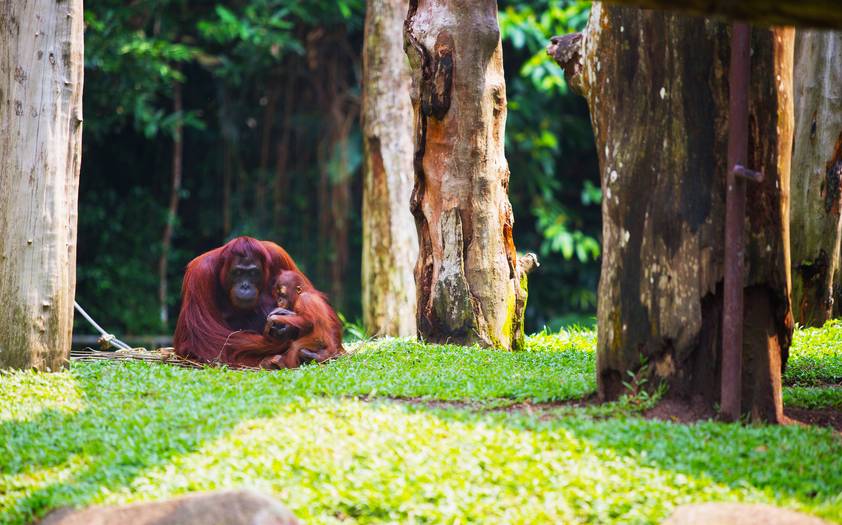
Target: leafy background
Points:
(272, 149)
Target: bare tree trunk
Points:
(261, 185)
(41, 76)
(816, 175)
(467, 280)
(812, 13)
(340, 203)
(172, 210)
(227, 170)
(390, 243)
(281, 183)
(656, 84)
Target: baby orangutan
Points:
(303, 316)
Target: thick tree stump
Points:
(816, 175)
(467, 277)
(390, 244)
(656, 84)
(41, 70)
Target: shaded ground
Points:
(820, 417)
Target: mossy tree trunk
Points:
(390, 243)
(41, 70)
(656, 84)
(467, 276)
(816, 175)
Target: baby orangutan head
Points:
(288, 286)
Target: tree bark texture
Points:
(816, 175)
(467, 279)
(41, 70)
(390, 243)
(657, 87)
(811, 13)
(172, 209)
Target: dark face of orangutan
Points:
(244, 281)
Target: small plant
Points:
(352, 330)
(638, 395)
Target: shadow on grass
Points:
(133, 419)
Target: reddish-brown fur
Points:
(319, 329)
(209, 328)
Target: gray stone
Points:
(229, 507)
(738, 514)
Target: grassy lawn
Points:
(335, 443)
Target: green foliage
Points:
(133, 57)
(332, 444)
(255, 74)
(813, 397)
(816, 356)
(112, 281)
(549, 145)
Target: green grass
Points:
(816, 356)
(332, 444)
(813, 397)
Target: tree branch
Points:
(811, 13)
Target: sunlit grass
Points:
(816, 356)
(332, 444)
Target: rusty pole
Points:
(735, 211)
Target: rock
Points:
(738, 514)
(229, 507)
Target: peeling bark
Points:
(467, 284)
(656, 84)
(41, 71)
(816, 175)
(390, 243)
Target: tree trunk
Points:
(656, 84)
(172, 210)
(814, 13)
(261, 184)
(467, 281)
(390, 244)
(41, 71)
(281, 182)
(816, 175)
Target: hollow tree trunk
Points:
(467, 279)
(656, 84)
(41, 70)
(390, 243)
(172, 209)
(816, 175)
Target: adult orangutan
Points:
(304, 313)
(225, 299)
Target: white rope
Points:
(109, 338)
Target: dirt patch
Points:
(821, 417)
(494, 405)
(680, 411)
(672, 410)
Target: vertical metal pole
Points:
(735, 206)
